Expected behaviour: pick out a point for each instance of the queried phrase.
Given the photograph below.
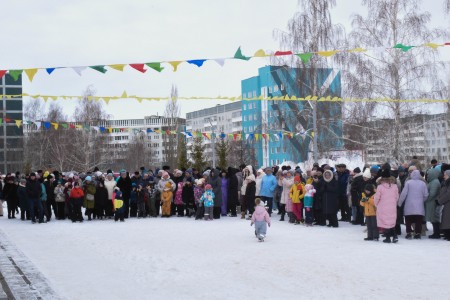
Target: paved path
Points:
(19, 278)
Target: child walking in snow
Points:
(370, 212)
(119, 209)
(207, 200)
(261, 219)
(308, 203)
(297, 194)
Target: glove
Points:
(268, 224)
(251, 224)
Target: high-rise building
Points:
(11, 136)
(277, 117)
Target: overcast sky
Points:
(52, 33)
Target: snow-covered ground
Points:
(180, 258)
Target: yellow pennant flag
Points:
(327, 53)
(173, 132)
(433, 45)
(175, 64)
(260, 53)
(110, 129)
(30, 73)
(124, 95)
(79, 126)
(359, 49)
(118, 67)
(19, 123)
(257, 136)
(106, 99)
(55, 125)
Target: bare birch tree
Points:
(172, 116)
(391, 73)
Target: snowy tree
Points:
(222, 150)
(183, 162)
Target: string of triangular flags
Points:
(107, 99)
(158, 66)
(195, 134)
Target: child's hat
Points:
(208, 187)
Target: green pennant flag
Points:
(155, 66)
(305, 57)
(64, 125)
(15, 74)
(1, 121)
(87, 127)
(101, 69)
(239, 55)
(403, 47)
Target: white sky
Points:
(52, 33)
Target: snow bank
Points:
(180, 258)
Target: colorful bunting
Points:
(280, 53)
(139, 67)
(260, 53)
(155, 66)
(239, 55)
(30, 73)
(18, 123)
(15, 74)
(50, 70)
(118, 67)
(403, 47)
(197, 62)
(2, 73)
(305, 57)
(101, 69)
(175, 64)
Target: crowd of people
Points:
(381, 197)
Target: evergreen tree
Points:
(183, 161)
(197, 153)
(222, 149)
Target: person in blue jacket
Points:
(268, 185)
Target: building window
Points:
(275, 88)
(250, 117)
(245, 106)
(255, 117)
(249, 95)
(254, 93)
(282, 87)
(245, 118)
(270, 89)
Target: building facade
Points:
(11, 136)
(280, 117)
(421, 135)
(218, 119)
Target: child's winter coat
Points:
(297, 193)
(208, 198)
(166, 198)
(308, 200)
(59, 194)
(260, 214)
(370, 210)
(179, 194)
(198, 193)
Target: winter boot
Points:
(424, 230)
(243, 215)
(409, 236)
(417, 236)
(282, 217)
(436, 231)
(387, 234)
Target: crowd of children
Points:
(379, 197)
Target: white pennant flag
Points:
(38, 124)
(96, 128)
(78, 70)
(220, 61)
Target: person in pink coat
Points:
(261, 219)
(386, 199)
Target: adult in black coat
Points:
(10, 195)
(23, 200)
(50, 185)
(233, 191)
(216, 184)
(124, 184)
(34, 192)
(356, 189)
(100, 197)
(330, 202)
(317, 183)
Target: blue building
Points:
(278, 117)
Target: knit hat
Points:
(208, 187)
(374, 169)
(401, 169)
(447, 172)
(23, 181)
(164, 173)
(386, 173)
(88, 178)
(33, 174)
(367, 174)
(357, 170)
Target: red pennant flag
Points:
(264, 136)
(278, 53)
(205, 135)
(139, 67)
(235, 136)
(167, 132)
(122, 129)
(7, 120)
(447, 44)
(2, 73)
(71, 126)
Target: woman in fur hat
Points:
(330, 202)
